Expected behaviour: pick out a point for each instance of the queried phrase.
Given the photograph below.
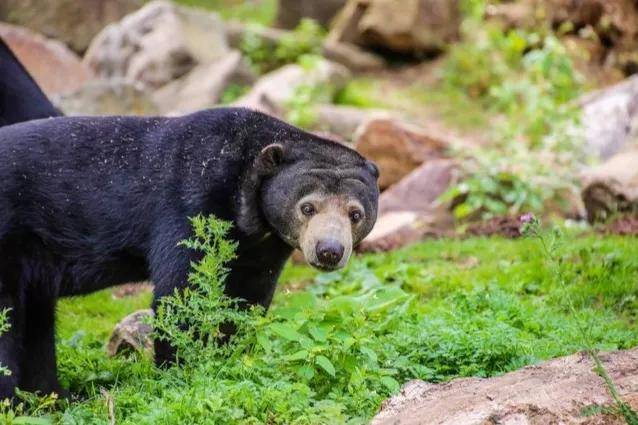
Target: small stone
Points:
(132, 333)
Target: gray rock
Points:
(203, 86)
(107, 97)
(157, 44)
(612, 187)
(610, 118)
(132, 333)
(271, 93)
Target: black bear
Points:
(87, 203)
(20, 97)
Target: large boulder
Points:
(274, 90)
(612, 187)
(418, 26)
(398, 147)
(55, 67)
(291, 12)
(157, 44)
(565, 391)
(107, 97)
(610, 118)
(204, 85)
(73, 22)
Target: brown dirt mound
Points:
(626, 226)
(507, 227)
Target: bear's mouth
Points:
(324, 267)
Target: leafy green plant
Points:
(305, 39)
(528, 81)
(232, 93)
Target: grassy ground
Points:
(335, 345)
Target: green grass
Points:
(331, 351)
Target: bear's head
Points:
(318, 196)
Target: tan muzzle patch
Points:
(326, 240)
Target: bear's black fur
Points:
(87, 203)
(20, 97)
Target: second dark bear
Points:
(87, 203)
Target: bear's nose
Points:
(329, 251)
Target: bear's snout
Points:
(329, 252)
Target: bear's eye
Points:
(356, 216)
(308, 209)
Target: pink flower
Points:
(527, 218)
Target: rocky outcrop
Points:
(133, 333)
(398, 147)
(54, 66)
(157, 44)
(291, 12)
(271, 93)
(72, 22)
(564, 391)
(107, 97)
(418, 26)
(612, 187)
(204, 85)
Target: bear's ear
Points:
(270, 158)
(372, 167)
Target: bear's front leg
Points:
(39, 369)
(170, 265)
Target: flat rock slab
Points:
(560, 391)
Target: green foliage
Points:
(232, 93)
(265, 56)
(330, 353)
(528, 82)
(261, 12)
